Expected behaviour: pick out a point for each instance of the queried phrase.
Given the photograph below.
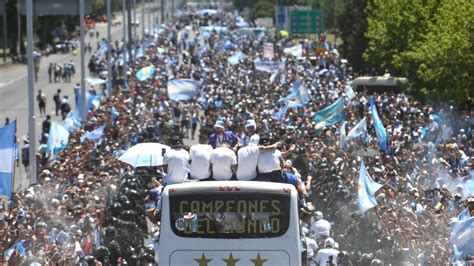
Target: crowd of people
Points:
(88, 207)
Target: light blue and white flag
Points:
(462, 235)
(296, 50)
(228, 45)
(359, 131)
(95, 81)
(264, 66)
(330, 115)
(298, 96)
(183, 89)
(57, 139)
(96, 134)
(7, 153)
(366, 190)
(349, 92)
(281, 66)
(379, 128)
(72, 121)
(343, 144)
(113, 114)
(281, 113)
(235, 58)
(145, 73)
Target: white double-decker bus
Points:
(229, 223)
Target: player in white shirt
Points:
(223, 161)
(176, 162)
(323, 257)
(201, 159)
(247, 160)
(320, 227)
(270, 163)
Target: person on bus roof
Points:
(201, 159)
(270, 163)
(223, 162)
(176, 162)
(221, 135)
(247, 158)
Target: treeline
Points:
(428, 41)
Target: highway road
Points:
(14, 86)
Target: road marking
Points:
(12, 81)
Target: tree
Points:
(263, 9)
(441, 63)
(352, 24)
(429, 41)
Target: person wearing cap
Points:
(176, 162)
(247, 160)
(220, 135)
(251, 137)
(327, 255)
(320, 227)
(270, 162)
(201, 159)
(223, 162)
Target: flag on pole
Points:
(264, 66)
(360, 130)
(72, 121)
(298, 96)
(366, 191)
(281, 113)
(330, 115)
(183, 89)
(462, 234)
(94, 135)
(343, 144)
(379, 128)
(235, 58)
(145, 73)
(57, 139)
(7, 153)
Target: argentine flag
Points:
(366, 191)
(7, 152)
(183, 89)
(145, 73)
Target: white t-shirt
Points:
(222, 160)
(321, 228)
(322, 257)
(247, 158)
(177, 161)
(200, 161)
(269, 161)
(311, 247)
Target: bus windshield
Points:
(230, 215)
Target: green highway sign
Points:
(306, 22)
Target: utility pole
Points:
(125, 43)
(162, 7)
(135, 27)
(129, 17)
(31, 91)
(143, 18)
(5, 36)
(109, 49)
(83, 61)
(19, 28)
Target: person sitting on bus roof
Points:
(200, 165)
(247, 160)
(251, 137)
(223, 161)
(176, 162)
(270, 163)
(220, 135)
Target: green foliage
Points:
(352, 24)
(264, 9)
(429, 41)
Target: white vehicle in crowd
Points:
(225, 222)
